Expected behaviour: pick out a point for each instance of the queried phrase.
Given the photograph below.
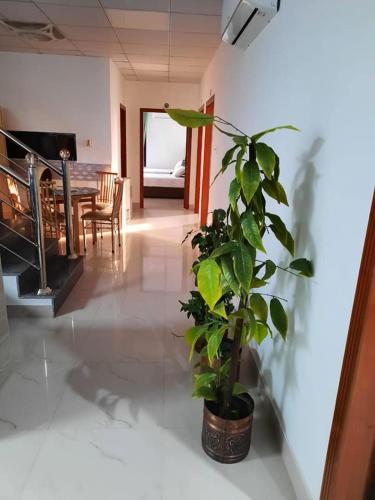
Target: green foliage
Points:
(190, 118)
(229, 262)
(304, 267)
(279, 317)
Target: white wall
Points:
(138, 95)
(313, 66)
(116, 85)
(165, 141)
(59, 94)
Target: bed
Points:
(162, 183)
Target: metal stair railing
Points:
(36, 165)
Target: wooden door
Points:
(207, 163)
(349, 471)
(123, 140)
(198, 168)
(187, 168)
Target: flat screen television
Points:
(46, 144)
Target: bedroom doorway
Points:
(165, 152)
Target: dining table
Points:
(81, 194)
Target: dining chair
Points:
(53, 219)
(105, 183)
(107, 216)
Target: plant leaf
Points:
(228, 247)
(220, 310)
(270, 269)
(280, 231)
(279, 317)
(250, 179)
(192, 335)
(266, 158)
(258, 283)
(239, 159)
(205, 393)
(203, 379)
(275, 190)
(259, 306)
(214, 342)
(251, 230)
(304, 266)
(261, 333)
(234, 193)
(228, 273)
(189, 117)
(241, 140)
(256, 137)
(208, 280)
(243, 266)
(238, 389)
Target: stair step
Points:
(62, 275)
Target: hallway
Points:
(98, 402)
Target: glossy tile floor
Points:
(97, 403)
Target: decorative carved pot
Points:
(228, 441)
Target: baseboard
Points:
(287, 454)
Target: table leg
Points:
(76, 226)
(93, 208)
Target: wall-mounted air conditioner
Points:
(243, 20)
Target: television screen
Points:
(46, 144)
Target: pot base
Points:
(227, 441)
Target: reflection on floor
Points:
(97, 405)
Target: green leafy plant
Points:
(239, 264)
(207, 240)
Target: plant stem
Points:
(282, 268)
(235, 358)
(224, 122)
(274, 296)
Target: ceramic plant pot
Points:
(228, 441)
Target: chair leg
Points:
(113, 237)
(101, 231)
(84, 236)
(119, 232)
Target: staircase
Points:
(37, 275)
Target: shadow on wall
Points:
(296, 289)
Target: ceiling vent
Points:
(40, 32)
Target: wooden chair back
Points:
(106, 185)
(49, 209)
(117, 197)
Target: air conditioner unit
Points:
(243, 20)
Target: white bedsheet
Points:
(152, 179)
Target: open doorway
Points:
(164, 159)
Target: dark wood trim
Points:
(350, 449)
(187, 157)
(123, 146)
(187, 168)
(198, 167)
(210, 101)
(206, 164)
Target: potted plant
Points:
(239, 265)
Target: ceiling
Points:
(156, 40)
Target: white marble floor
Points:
(97, 403)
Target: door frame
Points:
(187, 158)
(350, 456)
(123, 145)
(198, 167)
(207, 152)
